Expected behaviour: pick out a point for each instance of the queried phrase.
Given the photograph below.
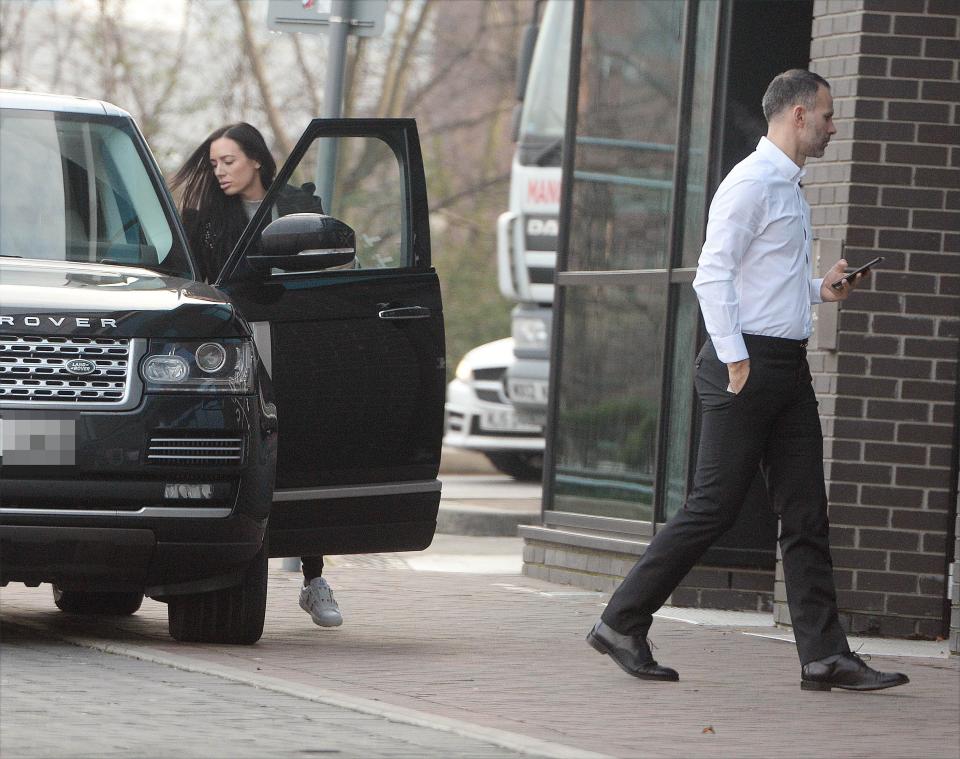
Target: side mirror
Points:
(305, 242)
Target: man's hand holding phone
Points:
(839, 282)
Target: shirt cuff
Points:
(815, 296)
(730, 348)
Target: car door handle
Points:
(406, 312)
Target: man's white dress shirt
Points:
(754, 271)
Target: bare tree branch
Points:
(415, 97)
(393, 96)
(312, 86)
(12, 21)
(486, 184)
(256, 68)
(354, 64)
(63, 51)
(471, 121)
(172, 74)
(121, 65)
(390, 69)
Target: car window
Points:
(77, 189)
(362, 188)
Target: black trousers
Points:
(773, 424)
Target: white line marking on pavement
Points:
(517, 588)
(548, 593)
(716, 617)
(478, 565)
(523, 744)
(570, 593)
(922, 649)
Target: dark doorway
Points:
(765, 38)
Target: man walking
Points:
(759, 409)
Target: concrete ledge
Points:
(584, 540)
(466, 519)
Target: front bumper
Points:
(528, 382)
(480, 425)
(166, 497)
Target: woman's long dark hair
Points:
(214, 220)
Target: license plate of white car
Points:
(499, 420)
(527, 391)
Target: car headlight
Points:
(530, 333)
(208, 366)
(464, 371)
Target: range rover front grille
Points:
(35, 369)
(167, 447)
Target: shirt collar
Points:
(781, 162)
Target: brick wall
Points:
(890, 185)
(955, 587)
(585, 567)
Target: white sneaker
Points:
(317, 600)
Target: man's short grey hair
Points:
(793, 87)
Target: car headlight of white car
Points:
(464, 369)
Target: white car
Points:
(480, 417)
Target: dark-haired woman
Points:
(221, 186)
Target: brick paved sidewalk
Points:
(507, 652)
(60, 701)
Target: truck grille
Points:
(172, 448)
(34, 369)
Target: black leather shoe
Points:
(630, 652)
(847, 671)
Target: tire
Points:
(526, 467)
(106, 604)
(230, 615)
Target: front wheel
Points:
(87, 602)
(526, 467)
(229, 615)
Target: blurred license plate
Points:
(37, 442)
(499, 420)
(527, 391)
(532, 418)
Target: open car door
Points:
(347, 318)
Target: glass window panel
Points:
(701, 121)
(682, 402)
(609, 395)
(545, 99)
(367, 194)
(84, 192)
(627, 120)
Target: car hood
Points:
(493, 355)
(60, 298)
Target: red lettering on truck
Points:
(543, 191)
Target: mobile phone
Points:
(848, 277)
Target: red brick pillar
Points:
(885, 363)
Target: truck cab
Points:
(165, 436)
(528, 233)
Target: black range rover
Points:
(162, 436)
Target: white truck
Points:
(527, 232)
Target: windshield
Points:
(545, 101)
(77, 189)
